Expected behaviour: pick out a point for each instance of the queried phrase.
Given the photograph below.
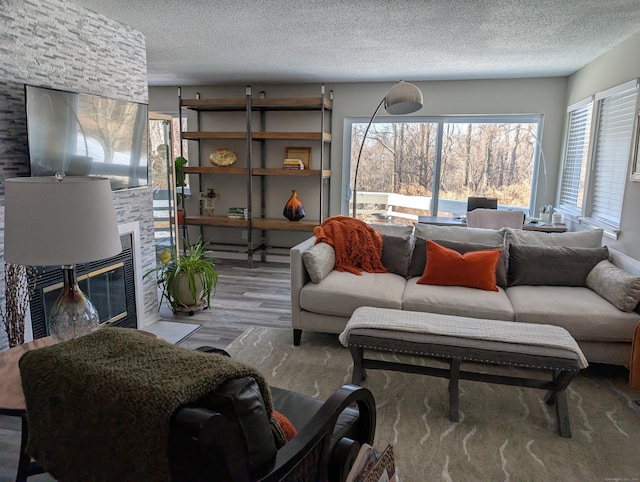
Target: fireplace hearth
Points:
(109, 284)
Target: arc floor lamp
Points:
(403, 98)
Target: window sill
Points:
(609, 231)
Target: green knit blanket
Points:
(99, 406)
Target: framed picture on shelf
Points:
(302, 153)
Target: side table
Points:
(12, 401)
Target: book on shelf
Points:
(293, 164)
(237, 213)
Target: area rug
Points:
(504, 433)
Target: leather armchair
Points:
(207, 445)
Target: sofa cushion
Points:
(581, 311)
(447, 267)
(396, 253)
(583, 239)
(552, 265)
(615, 285)
(457, 300)
(424, 232)
(491, 237)
(398, 230)
(340, 293)
(319, 260)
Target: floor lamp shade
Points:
(62, 221)
(402, 98)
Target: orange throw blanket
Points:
(634, 366)
(358, 247)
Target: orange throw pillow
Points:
(474, 269)
(285, 424)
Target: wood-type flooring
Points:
(244, 297)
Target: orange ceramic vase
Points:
(293, 210)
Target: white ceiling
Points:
(196, 42)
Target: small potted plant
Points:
(187, 280)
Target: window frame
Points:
(538, 156)
(586, 105)
(585, 215)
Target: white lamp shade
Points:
(52, 222)
(403, 98)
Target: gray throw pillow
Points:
(462, 248)
(396, 253)
(618, 287)
(552, 265)
(319, 261)
(583, 239)
(418, 258)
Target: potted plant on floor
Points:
(187, 280)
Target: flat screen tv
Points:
(87, 135)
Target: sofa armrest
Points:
(299, 277)
(624, 261)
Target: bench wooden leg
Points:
(558, 396)
(454, 377)
(359, 373)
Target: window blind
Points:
(611, 159)
(575, 158)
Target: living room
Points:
(118, 68)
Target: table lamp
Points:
(62, 221)
(403, 98)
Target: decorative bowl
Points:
(223, 157)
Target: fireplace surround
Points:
(109, 284)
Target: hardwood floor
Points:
(244, 297)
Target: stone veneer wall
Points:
(57, 44)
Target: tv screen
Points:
(87, 135)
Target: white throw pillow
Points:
(319, 261)
(615, 285)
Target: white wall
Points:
(617, 66)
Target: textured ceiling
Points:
(193, 42)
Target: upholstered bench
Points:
(456, 339)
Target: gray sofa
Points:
(560, 279)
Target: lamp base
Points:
(73, 314)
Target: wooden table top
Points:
(11, 394)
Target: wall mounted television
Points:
(87, 135)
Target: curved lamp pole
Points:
(402, 98)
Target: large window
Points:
(430, 166)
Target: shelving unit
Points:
(257, 164)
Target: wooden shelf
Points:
(221, 221)
(284, 224)
(258, 136)
(291, 103)
(237, 104)
(215, 170)
(197, 135)
(240, 104)
(291, 136)
(258, 154)
(291, 172)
